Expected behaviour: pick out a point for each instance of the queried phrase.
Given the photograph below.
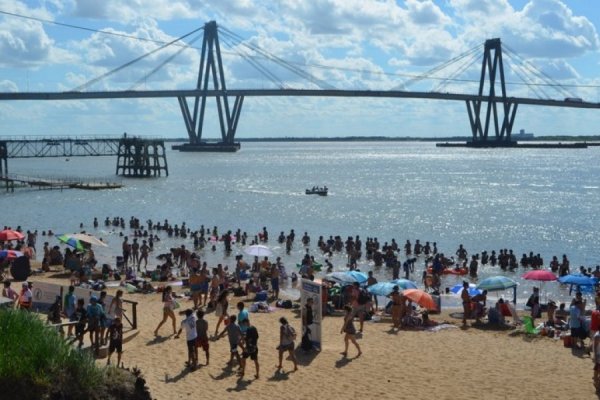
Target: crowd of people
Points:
(211, 287)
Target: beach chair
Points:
(528, 326)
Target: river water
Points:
(540, 200)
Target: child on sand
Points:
(115, 335)
(202, 332)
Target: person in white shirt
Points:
(189, 324)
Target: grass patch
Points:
(37, 363)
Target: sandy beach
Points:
(471, 363)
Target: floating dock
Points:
(208, 147)
(515, 145)
(45, 183)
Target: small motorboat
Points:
(321, 191)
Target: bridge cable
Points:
(239, 42)
(429, 73)
(290, 67)
(521, 71)
(444, 83)
(163, 63)
(127, 64)
(545, 77)
(255, 64)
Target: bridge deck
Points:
(132, 94)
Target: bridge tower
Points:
(210, 74)
(491, 67)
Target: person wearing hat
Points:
(26, 297)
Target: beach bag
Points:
(261, 296)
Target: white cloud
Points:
(8, 86)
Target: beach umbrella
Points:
(541, 275)
(579, 280)
(381, 288)
(10, 254)
(70, 241)
(347, 277)
(404, 283)
(87, 238)
(497, 283)
(473, 291)
(9, 234)
(420, 297)
(258, 250)
(587, 282)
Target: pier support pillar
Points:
(141, 158)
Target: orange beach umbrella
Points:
(420, 297)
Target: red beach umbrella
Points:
(9, 234)
(540, 275)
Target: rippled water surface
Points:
(541, 200)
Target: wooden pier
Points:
(141, 158)
(11, 182)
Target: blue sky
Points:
(350, 44)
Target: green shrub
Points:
(34, 357)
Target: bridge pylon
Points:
(492, 67)
(210, 74)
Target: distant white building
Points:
(522, 135)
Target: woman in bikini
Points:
(350, 332)
(168, 307)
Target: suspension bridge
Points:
(491, 111)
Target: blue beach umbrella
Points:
(381, 288)
(404, 284)
(583, 283)
(473, 291)
(347, 277)
(579, 280)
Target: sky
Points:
(551, 50)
